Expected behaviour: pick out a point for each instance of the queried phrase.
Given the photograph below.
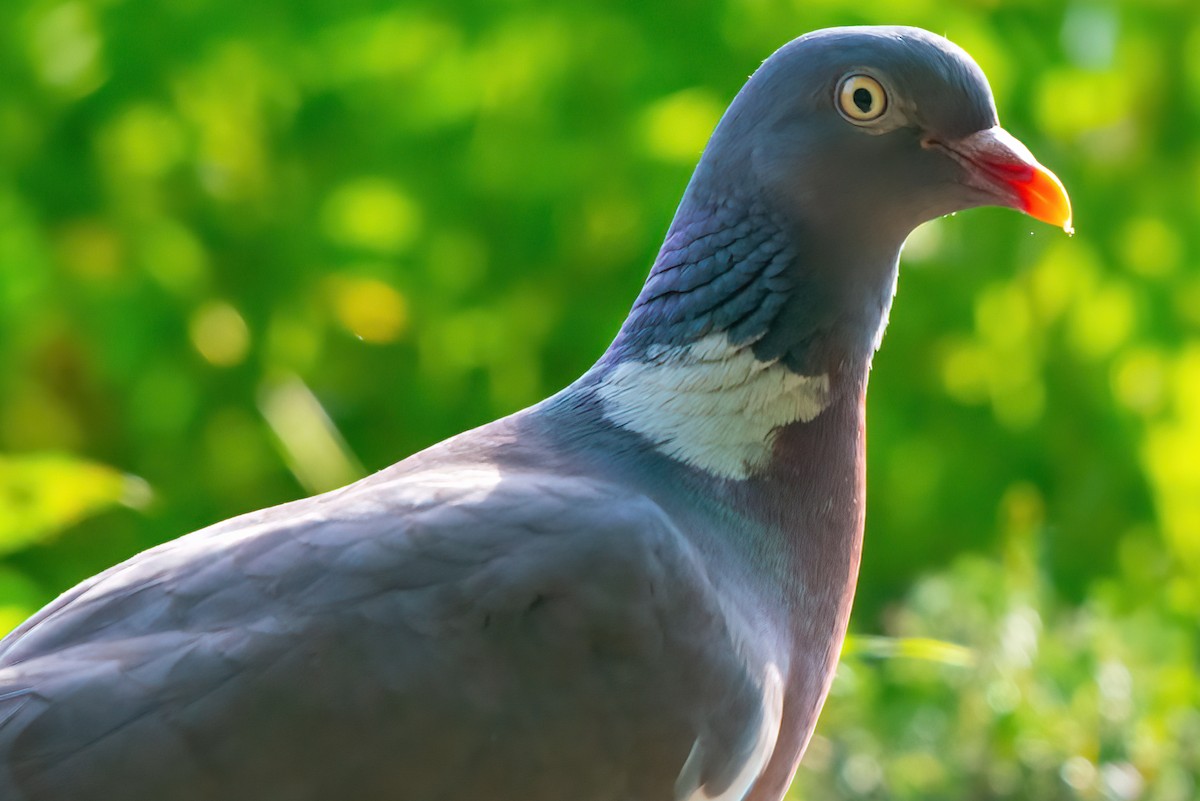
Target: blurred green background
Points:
(253, 250)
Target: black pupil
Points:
(863, 99)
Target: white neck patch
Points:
(710, 404)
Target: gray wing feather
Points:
(442, 636)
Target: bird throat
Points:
(732, 339)
(712, 405)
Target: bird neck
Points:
(734, 395)
(747, 325)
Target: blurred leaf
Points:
(863, 646)
(40, 495)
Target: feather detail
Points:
(710, 404)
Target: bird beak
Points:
(1000, 165)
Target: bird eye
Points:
(861, 98)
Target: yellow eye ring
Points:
(861, 98)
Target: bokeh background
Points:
(253, 250)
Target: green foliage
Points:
(250, 250)
(42, 494)
(1092, 701)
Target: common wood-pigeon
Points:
(635, 590)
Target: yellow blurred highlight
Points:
(1002, 365)
(368, 308)
(677, 127)
(41, 494)
(1139, 381)
(422, 48)
(227, 100)
(1002, 316)
(1170, 455)
(1018, 398)
(219, 334)
(1187, 389)
(517, 59)
(965, 370)
(916, 774)
(1066, 271)
(398, 42)
(372, 214)
(1150, 247)
(446, 90)
(13, 615)
(1101, 322)
(313, 448)
(1072, 101)
(90, 250)
(144, 141)
(465, 340)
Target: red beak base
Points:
(1001, 165)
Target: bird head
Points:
(870, 131)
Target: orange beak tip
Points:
(1044, 198)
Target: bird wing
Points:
(445, 634)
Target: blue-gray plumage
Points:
(633, 591)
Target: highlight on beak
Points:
(999, 164)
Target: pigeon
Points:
(635, 590)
